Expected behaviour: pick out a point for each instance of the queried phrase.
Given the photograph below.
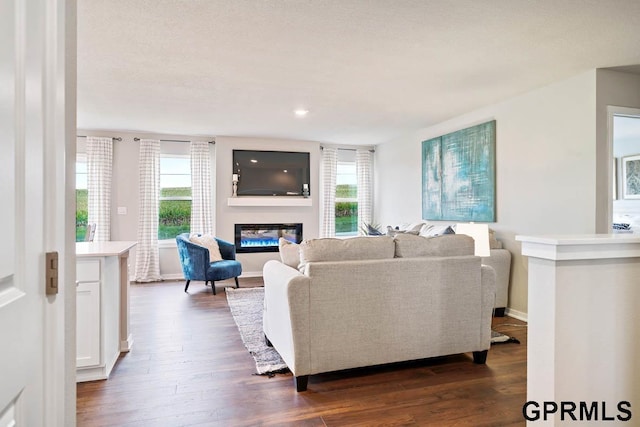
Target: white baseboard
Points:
(179, 276)
(175, 276)
(516, 314)
(251, 274)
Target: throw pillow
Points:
(393, 231)
(209, 242)
(289, 252)
(436, 230)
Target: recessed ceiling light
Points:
(285, 171)
(254, 161)
(301, 112)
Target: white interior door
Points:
(32, 43)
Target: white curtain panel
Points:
(201, 203)
(328, 172)
(99, 171)
(364, 172)
(147, 254)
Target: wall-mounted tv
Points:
(271, 173)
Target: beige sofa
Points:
(374, 300)
(499, 259)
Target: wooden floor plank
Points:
(189, 367)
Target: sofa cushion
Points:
(352, 249)
(209, 242)
(289, 252)
(410, 246)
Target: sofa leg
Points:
(267, 342)
(301, 382)
(237, 284)
(187, 285)
(213, 287)
(499, 312)
(480, 357)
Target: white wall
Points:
(228, 216)
(125, 188)
(545, 168)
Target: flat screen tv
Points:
(271, 173)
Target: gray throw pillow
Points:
(436, 230)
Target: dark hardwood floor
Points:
(188, 366)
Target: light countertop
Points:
(113, 248)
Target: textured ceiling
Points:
(367, 71)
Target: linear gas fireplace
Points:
(264, 237)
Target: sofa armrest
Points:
(488, 300)
(500, 260)
(286, 314)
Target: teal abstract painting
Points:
(458, 175)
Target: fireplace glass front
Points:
(264, 237)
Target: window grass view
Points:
(81, 214)
(174, 217)
(175, 214)
(346, 194)
(346, 211)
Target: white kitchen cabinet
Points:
(88, 321)
(102, 307)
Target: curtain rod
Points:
(350, 149)
(172, 140)
(115, 138)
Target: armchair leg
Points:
(213, 287)
(237, 285)
(187, 285)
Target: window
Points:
(82, 213)
(346, 194)
(175, 196)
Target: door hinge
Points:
(51, 285)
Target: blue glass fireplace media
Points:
(264, 237)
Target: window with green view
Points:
(175, 196)
(81, 197)
(346, 194)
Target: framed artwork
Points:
(631, 177)
(458, 175)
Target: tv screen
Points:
(271, 173)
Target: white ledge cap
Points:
(581, 246)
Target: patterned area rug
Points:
(246, 308)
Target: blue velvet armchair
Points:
(196, 265)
